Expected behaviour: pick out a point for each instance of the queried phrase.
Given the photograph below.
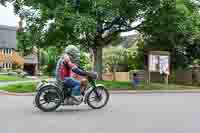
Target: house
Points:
(9, 58)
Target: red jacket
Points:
(65, 69)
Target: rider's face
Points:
(70, 57)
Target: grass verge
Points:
(20, 88)
(11, 78)
(110, 85)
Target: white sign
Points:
(159, 63)
(164, 64)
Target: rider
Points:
(66, 67)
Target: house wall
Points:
(8, 59)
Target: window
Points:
(7, 51)
(10, 65)
(7, 65)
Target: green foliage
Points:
(120, 59)
(85, 61)
(196, 62)
(24, 44)
(91, 23)
(49, 58)
(176, 24)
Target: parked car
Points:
(24, 74)
(12, 73)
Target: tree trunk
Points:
(98, 53)
(38, 64)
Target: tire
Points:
(38, 95)
(106, 100)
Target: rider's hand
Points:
(92, 75)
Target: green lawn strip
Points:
(116, 85)
(20, 88)
(119, 85)
(110, 85)
(11, 78)
(158, 86)
(44, 77)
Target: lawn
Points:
(110, 85)
(11, 78)
(20, 88)
(117, 85)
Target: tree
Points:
(106, 19)
(91, 23)
(49, 57)
(173, 31)
(120, 59)
(85, 61)
(24, 44)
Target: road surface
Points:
(133, 113)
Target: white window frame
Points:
(7, 51)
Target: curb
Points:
(15, 94)
(114, 92)
(154, 91)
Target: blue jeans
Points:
(73, 84)
(135, 82)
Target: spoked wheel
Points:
(48, 99)
(98, 98)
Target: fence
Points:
(179, 76)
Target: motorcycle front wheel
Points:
(98, 98)
(48, 99)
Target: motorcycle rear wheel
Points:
(52, 92)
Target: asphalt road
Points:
(135, 113)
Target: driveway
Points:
(130, 113)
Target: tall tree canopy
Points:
(175, 29)
(91, 23)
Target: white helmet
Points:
(74, 52)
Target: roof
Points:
(8, 36)
(5, 27)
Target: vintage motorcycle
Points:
(52, 94)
